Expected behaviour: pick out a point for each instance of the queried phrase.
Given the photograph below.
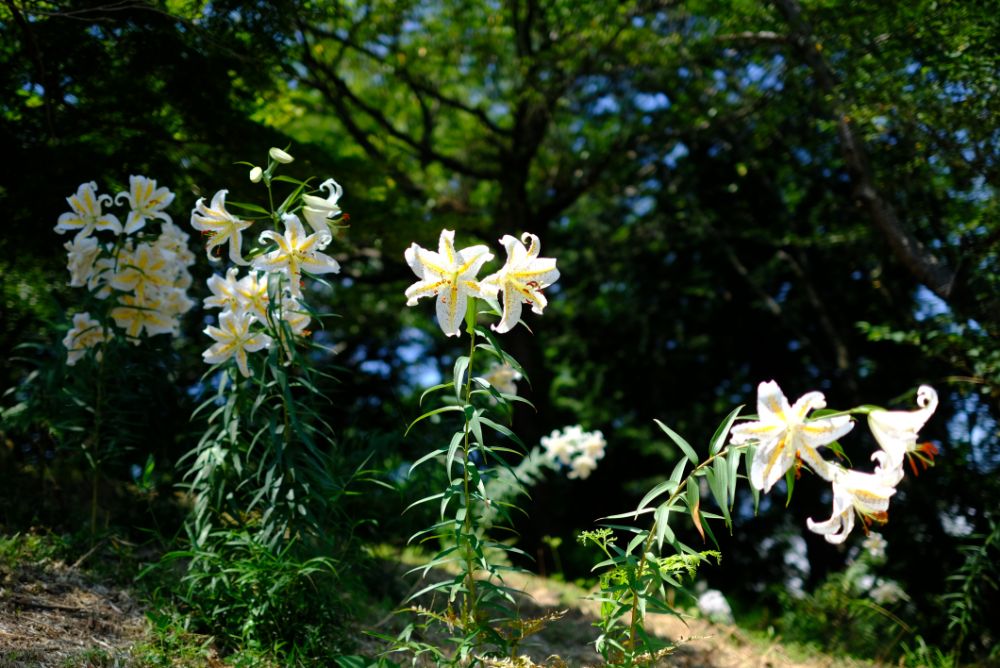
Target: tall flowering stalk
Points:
(262, 478)
(779, 442)
(481, 400)
(136, 277)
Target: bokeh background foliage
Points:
(735, 191)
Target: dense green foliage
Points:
(735, 192)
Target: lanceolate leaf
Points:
(663, 487)
(436, 411)
(461, 364)
(694, 505)
(681, 443)
(719, 438)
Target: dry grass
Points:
(51, 615)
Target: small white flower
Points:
(225, 293)
(174, 241)
(141, 269)
(592, 445)
(559, 446)
(888, 592)
(712, 605)
(251, 290)
(295, 315)
(174, 302)
(575, 448)
(875, 545)
(256, 174)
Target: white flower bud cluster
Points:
(575, 448)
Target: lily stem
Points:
(648, 544)
(469, 613)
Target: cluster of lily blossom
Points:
(575, 448)
(785, 435)
(449, 275)
(147, 276)
(252, 314)
(503, 377)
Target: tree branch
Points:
(415, 84)
(760, 37)
(359, 135)
(423, 151)
(924, 265)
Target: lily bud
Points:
(256, 174)
(280, 156)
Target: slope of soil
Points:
(53, 615)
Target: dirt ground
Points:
(53, 616)
(569, 640)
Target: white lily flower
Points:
(220, 226)
(783, 432)
(296, 252)
(295, 315)
(582, 466)
(225, 292)
(234, 340)
(572, 444)
(318, 210)
(896, 433)
(448, 274)
(100, 276)
(87, 214)
(136, 314)
(592, 445)
(81, 255)
(521, 279)
(559, 446)
(141, 269)
(502, 376)
(866, 494)
(252, 293)
(174, 302)
(86, 333)
(146, 201)
(175, 240)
